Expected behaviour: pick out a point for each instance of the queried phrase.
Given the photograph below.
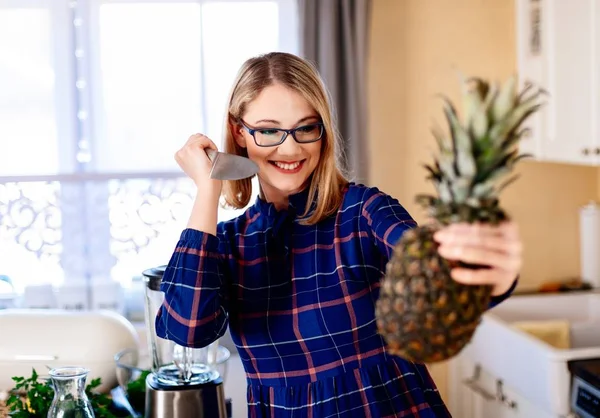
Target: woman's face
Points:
(285, 168)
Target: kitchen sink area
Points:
(528, 342)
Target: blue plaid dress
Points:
(299, 301)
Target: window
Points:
(95, 98)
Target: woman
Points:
(296, 277)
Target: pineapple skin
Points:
(424, 315)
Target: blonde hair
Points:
(299, 75)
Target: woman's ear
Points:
(238, 134)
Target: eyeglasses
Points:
(270, 137)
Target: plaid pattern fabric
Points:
(299, 301)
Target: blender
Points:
(184, 381)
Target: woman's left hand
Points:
(498, 247)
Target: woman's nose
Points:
(289, 147)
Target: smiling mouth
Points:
(288, 167)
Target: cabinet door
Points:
(571, 78)
(557, 50)
(461, 398)
(531, 68)
(514, 405)
(475, 394)
(472, 392)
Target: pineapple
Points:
(422, 313)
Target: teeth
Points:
(287, 166)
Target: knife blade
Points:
(227, 166)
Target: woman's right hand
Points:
(195, 163)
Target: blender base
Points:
(205, 400)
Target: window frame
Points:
(81, 258)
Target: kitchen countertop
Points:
(529, 292)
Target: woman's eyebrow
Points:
(276, 122)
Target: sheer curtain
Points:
(334, 36)
(95, 98)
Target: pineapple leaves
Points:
(478, 86)
(443, 190)
(464, 163)
(434, 173)
(473, 98)
(482, 148)
(512, 121)
(447, 167)
(505, 100)
(443, 144)
(507, 182)
(461, 189)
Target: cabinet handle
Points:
(501, 397)
(597, 150)
(471, 383)
(585, 151)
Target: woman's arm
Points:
(194, 312)
(387, 220)
(195, 309)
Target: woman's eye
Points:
(307, 129)
(268, 131)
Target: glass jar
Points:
(70, 400)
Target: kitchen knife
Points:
(229, 166)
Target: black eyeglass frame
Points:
(286, 133)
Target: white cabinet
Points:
(558, 48)
(475, 393)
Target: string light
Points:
(83, 144)
(83, 152)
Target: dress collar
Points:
(297, 206)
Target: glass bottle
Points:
(70, 400)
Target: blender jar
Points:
(172, 363)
